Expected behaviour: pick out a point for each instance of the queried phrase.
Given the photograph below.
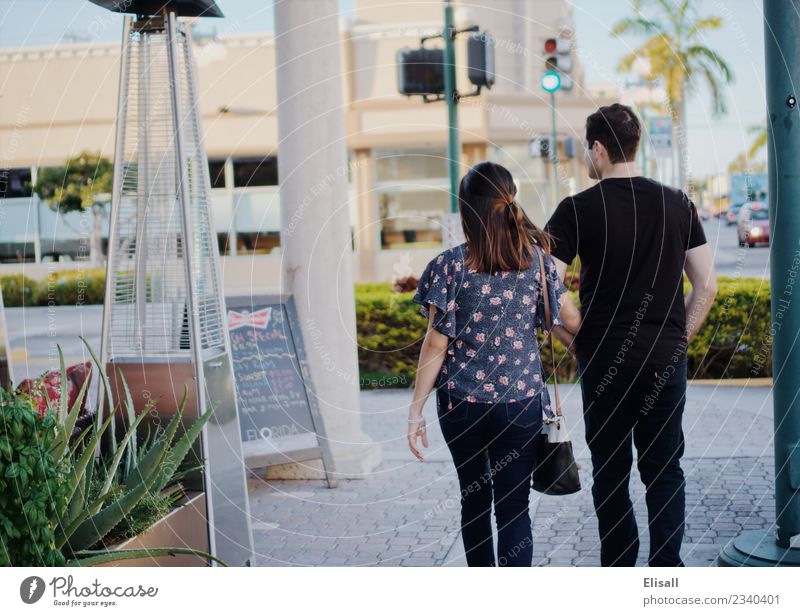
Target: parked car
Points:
(754, 224)
(703, 213)
(732, 214)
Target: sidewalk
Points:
(407, 513)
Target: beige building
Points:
(59, 101)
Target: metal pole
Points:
(644, 141)
(554, 148)
(782, 58)
(451, 96)
(782, 54)
(190, 252)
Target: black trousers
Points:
(643, 403)
(494, 450)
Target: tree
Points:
(84, 183)
(678, 58)
(744, 162)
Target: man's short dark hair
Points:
(617, 128)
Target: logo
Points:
(31, 589)
(259, 318)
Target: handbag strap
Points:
(548, 323)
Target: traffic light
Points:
(480, 59)
(420, 71)
(558, 59)
(539, 147)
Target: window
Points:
(216, 170)
(255, 171)
(15, 183)
(412, 192)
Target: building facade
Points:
(59, 101)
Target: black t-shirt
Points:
(631, 235)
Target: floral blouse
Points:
(491, 320)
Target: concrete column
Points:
(368, 228)
(315, 228)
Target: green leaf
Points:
(100, 524)
(181, 448)
(107, 387)
(150, 464)
(61, 443)
(63, 395)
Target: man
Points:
(634, 237)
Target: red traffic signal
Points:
(550, 45)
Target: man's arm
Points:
(700, 270)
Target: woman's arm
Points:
(431, 357)
(570, 318)
(569, 314)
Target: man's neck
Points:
(621, 170)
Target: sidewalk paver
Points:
(406, 513)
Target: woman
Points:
(483, 300)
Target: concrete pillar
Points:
(315, 234)
(368, 228)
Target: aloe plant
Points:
(82, 519)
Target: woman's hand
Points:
(416, 430)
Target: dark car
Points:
(732, 214)
(754, 224)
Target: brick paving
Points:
(406, 513)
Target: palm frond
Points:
(706, 23)
(636, 25)
(700, 51)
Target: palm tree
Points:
(678, 57)
(744, 161)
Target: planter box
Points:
(183, 527)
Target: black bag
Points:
(556, 472)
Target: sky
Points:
(713, 142)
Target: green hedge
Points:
(733, 342)
(65, 288)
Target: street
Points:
(731, 260)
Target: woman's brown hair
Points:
(500, 236)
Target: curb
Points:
(757, 382)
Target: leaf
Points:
(107, 387)
(181, 448)
(93, 529)
(64, 393)
(152, 461)
(61, 443)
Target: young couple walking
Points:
(483, 299)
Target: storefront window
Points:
(412, 191)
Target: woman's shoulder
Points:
(451, 257)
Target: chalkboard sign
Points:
(278, 413)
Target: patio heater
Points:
(163, 316)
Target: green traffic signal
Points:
(551, 81)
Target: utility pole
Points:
(451, 97)
(782, 57)
(554, 147)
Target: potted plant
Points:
(75, 503)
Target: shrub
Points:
(734, 341)
(73, 288)
(390, 333)
(19, 290)
(33, 484)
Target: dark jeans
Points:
(494, 450)
(644, 402)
